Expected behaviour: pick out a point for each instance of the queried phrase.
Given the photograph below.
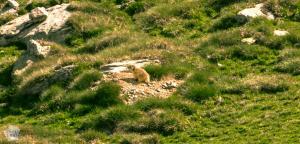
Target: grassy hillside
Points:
(233, 92)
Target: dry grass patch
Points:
(267, 83)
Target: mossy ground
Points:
(233, 92)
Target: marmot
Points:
(139, 73)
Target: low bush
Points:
(156, 121)
(146, 105)
(85, 80)
(107, 94)
(289, 66)
(228, 22)
(159, 71)
(109, 120)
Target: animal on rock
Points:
(139, 73)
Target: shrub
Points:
(158, 71)
(5, 76)
(199, 92)
(289, 66)
(229, 22)
(86, 79)
(109, 119)
(135, 8)
(165, 123)
(107, 94)
(168, 104)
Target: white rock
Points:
(36, 49)
(121, 66)
(281, 32)
(38, 14)
(256, 12)
(249, 40)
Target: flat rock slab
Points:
(257, 11)
(118, 67)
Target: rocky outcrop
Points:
(257, 11)
(11, 7)
(35, 51)
(41, 23)
(121, 66)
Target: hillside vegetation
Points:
(233, 92)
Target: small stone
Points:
(249, 41)
(220, 65)
(169, 85)
(281, 32)
(38, 14)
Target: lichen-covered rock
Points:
(38, 14)
(257, 11)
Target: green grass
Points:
(232, 92)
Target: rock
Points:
(36, 49)
(30, 26)
(220, 65)
(2, 105)
(169, 85)
(118, 67)
(14, 4)
(38, 14)
(281, 32)
(249, 41)
(257, 11)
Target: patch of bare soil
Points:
(133, 91)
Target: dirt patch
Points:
(133, 91)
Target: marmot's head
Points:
(131, 67)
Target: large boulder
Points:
(37, 25)
(257, 11)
